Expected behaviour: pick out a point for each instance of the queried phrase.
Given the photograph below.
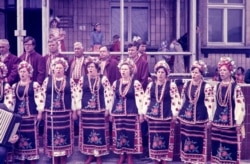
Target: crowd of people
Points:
(100, 90)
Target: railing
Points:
(125, 53)
(151, 57)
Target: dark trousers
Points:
(3, 154)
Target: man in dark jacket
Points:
(10, 60)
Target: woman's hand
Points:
(74, 115)
(14, 139)
(141, 118)
(110, 118)
(106, 113)
(238, 128)
(39, 116)
(209, 124)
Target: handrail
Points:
(118, 53)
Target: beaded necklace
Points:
(95, 85)
(162, 91)
(194, 99)
(125, 91)
(62, 84)
(25, 92)
(224, 101)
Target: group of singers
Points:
(99, 90)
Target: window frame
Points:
(225, 7)
(130, 4)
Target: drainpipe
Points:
(20, 32)
(178, 19)
(122, 28)
(192, 28)
(45, 25)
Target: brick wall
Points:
(2, 21)
(246, 142)
(85, 14)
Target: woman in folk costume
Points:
(197, 110)
(226, 133)
(6, 93)
(161, 106)
(126, 113)
(27, 101)
(6, 98)
(93, 110)
(58, 101)
(57, 33)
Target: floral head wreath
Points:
(136, 38)
(94, 60)
(201, 65)
(228, 62)
(4, 69)
(58, 60)
(130, 64)
(26, 65)
(164, 64)
(54, 18)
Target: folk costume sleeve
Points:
(75, 95)
(13, 97)
(146, 98)
(8, 97)
(209, 101)
(43, 92)
(183, 97)
(112, 95)
(38, 96)
(215, 98)
(107, 92)
(175, 96)
(139, 93)
(240, 109)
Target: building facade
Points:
(224, 26)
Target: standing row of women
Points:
(199, 107)
(222, 108)
(95, 102)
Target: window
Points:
(26, 3)
(225, 22)
(136, 19)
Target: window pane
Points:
(139, 0)
(115, 22)
(140, 22)
(234, 24)
(32, 3)
(117, 0)
(215, 26)
(235, 1)
(11, 2)
(216, 1)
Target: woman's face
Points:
(161, 74)
(92, 69)
(24, 74)
(225, 74)
(196, 75)
(59, 70)
(54, 24)
(98, 28)
(125, 71)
